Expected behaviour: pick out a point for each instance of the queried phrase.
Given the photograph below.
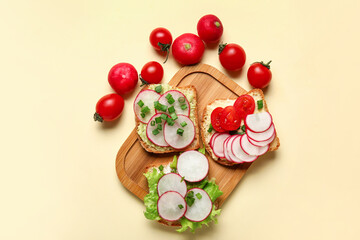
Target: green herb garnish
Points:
(163, 108)
(182, 179)
(142, 115)
(210, 128)
(145, 109)
(180, 131)
(159, 126)
(155, 131)
(171, 109)
(163, 116)
(140, 103)
(180, 206)
(169, 96)
(171, 101)
(152, 123)
(161, 168)
(199, 196)
(183, 106)
(157, 120)
(158, 89)
(170, 122)
(183, 124)
(190, 198)
(260, 104)
(173, 116)
(181, 99)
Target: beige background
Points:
(57, 174)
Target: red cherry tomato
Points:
(232, 56)
(109, 107)
(259, 74)
(244, 105)
(188, 49)
(229, 119)
(123, 78)
(161, 39)
(151, 73)
(210, 28)
(215, 119)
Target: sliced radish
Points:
(263, 136)
(171, 206)
(212, 139)
(174, 139)
(226, 153)
(262, 143)
(193, 166)
(251, 149)
(218, 145)
(177, 105)
(148, 97)
(201, 208)
(258, 122)
(229, 150)
(171, 182)
(239, 153)
(157, 139)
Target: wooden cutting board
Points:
(132, 160)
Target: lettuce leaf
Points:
(150, 200)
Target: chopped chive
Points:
(182, 179)
(171, 109)
(183, 106)
(180, 131)
(170, 122)
(159, 127)
(181, 99)
(157, 120)
(161, 168)
(171, 101)
(198, 195)
(210, 128)
(173, 116)
(152, 123)
(260, 104)
(145, 109)
(183, 124)
(158, 89)
(163, 116)
(163, 108)
(157, 105)
(155, 131)
(180, 206)
(169, 96)
(190, 198)
(142, 115)
(140, 103)
(243, 128)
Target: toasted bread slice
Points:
(257, 94)
(150, 147)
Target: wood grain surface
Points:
(132, 160)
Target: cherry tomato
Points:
(210, 28)
(161, 39)
(188, 49)
(244, 105)
(229, 119)
(109, 107)
(232, 56)
(259, 74)
(215, 119)
(152, 72)
(123, 78)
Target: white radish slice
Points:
(239, 153)
(262, 143)
(213, 138)
(263, 136)
(258, 122)
(201, 208)
(226, 153)
(171, 182)
(148, 97)
(193, 166)
(229, 150)
(171, 206)
(177, 105)
(157, 139)
(218, 145)
(251, 149)
(174, 139)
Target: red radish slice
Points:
(226, 153)
(213, 138)
(251, 149)
(258, 122)
(177, 105)
(218, 145)
(157, 139)
(239, 153)
(174, 139)
(171, 182)
(169, 206)
(201, 208)
(229, 149)
(148, 97)
(263, 136)
(193, 166)
(262, 143)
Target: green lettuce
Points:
(150, 200)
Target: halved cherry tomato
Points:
(229, 119)
(215, 119)
(244, 105)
